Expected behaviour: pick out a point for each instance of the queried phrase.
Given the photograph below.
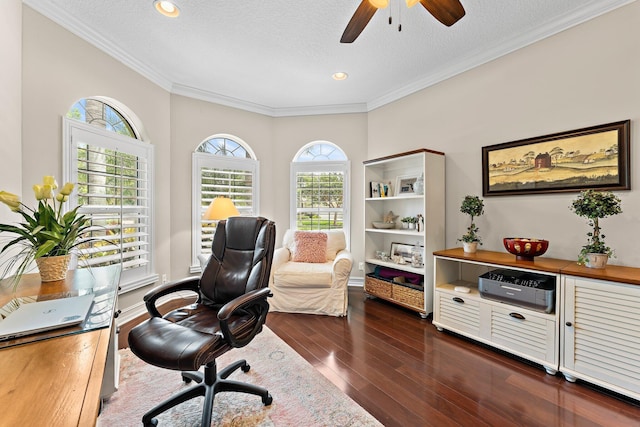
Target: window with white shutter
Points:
(223, 165)
(113, 174)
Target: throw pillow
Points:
(310, 246)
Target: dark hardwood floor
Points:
(404, 372)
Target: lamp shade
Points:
(221, 208)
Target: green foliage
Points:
(474, 207)
(46, 230)
(595, 205)
(409, 219)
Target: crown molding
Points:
(594, 9)
(204, 95)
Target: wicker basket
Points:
(408, 296)
(377, 287)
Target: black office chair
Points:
(231, 309)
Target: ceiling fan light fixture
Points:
(340, 75)
(379, 4)
(411, 3)
(167, 8)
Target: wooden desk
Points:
(56, 381)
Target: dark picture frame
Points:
(596, 157)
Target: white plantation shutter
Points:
(113, 176)
(213, 176)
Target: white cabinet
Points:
(601, 330)
(430, 204)
(527, 333)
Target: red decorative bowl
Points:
(524, 248)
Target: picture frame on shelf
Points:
(596, 157)
(404, 185)
(405, 250)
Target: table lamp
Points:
(220, 208)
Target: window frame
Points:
(72, 129)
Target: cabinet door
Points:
(601, 322)
(457, 313)
(524, 332)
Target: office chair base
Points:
(207, 385)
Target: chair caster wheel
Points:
(245, 367)
(267, 400)
(152, 423)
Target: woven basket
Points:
(377, 287)
(408, 296)
(53, 268)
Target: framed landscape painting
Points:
(590, 158)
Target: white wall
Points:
(58, 69)
(11, 104)
(584, 76)
(193, 121)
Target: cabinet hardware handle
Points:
(458, 299)
(569, 324)
(517, 316)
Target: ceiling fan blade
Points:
(359, 20)
(446, 11)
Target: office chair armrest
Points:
(254, 302)
(150, 298)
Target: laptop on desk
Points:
(31, 318)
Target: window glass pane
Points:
(223, 147)
(97, 113)
(319, 152)
(319, 200)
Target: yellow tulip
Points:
(37, 191)
(67, 189)
(61, 197)
(50, 180)
(11, 200)
(47, 191)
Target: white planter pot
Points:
(470, 247)
(597, 260)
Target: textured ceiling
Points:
(276, 57)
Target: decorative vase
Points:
(470, 247)
(597, 260)
(53, 268)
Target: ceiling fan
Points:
(446, 11)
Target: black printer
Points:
(526, 289)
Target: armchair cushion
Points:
(309, 246)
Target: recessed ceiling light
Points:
(340, 76)
(167, 8)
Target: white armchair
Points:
(311, 287)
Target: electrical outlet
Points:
(361, 266)
(164, 278)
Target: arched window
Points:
(320, 188)
(113, 170)
(223, 165)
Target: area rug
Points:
(302, 396)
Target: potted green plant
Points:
(474, 207)
(595, 205)
(47, 235)
(406, 221)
